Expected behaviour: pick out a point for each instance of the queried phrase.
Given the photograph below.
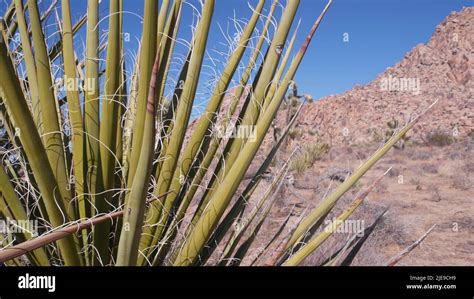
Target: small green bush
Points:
(309, 154)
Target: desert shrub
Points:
(455, 155)
(394, 172)
(295, 133)
(429, 168)
(309, 154)
(435, 194)
(415, 180)
(462, 181)
(376, 136)
(469, 167)
(421, 155)
(471, 134)
(439, 138)
(461, 178)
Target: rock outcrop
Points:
(441, 70)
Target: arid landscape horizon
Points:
(237, 148)
(202, 143)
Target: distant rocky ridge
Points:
(440, 70)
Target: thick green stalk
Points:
(12, 206)
(329, 202)
(37, 156)
(207, 118)
(91, 96)
(162, 17)
(108, 129)
(183, 112)
(167, 43)
(29, 62)
(225, 191)
(307, 249)
(129, 120)
(71, 82)
(135, 206)
(147, 56)
(203, 165)
(269, 68)
(281, 69)
(56, 49)
(91, 119)
(51, 127)
(250, 115)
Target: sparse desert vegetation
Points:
(113, 169)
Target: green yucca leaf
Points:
(108, 127)
(37, 156)
(329, 202)
(93, 175)
(306, 249)
(250, 114)
(207, 118)
(360, 242)
(29, 61)
(240, 204)
(135, 207)
(162, 17)
(56, 49)
(223, 193)
(53, 140)
(281, 69)
(205, 162)
(74, 109)
(129, 120)
(10, 206)
(147, 56)
(167, 43)
(182, 115)
(243, 224)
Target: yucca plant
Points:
(105, 167)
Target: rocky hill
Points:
(442, 69)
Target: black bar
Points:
(301, 282)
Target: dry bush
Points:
(309, 154)
(295, 133)
(421, 155)
(394, 172)
(461, 178)
(429, 168)
(435, 194)
(439, 138)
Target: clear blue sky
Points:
(380, 33)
